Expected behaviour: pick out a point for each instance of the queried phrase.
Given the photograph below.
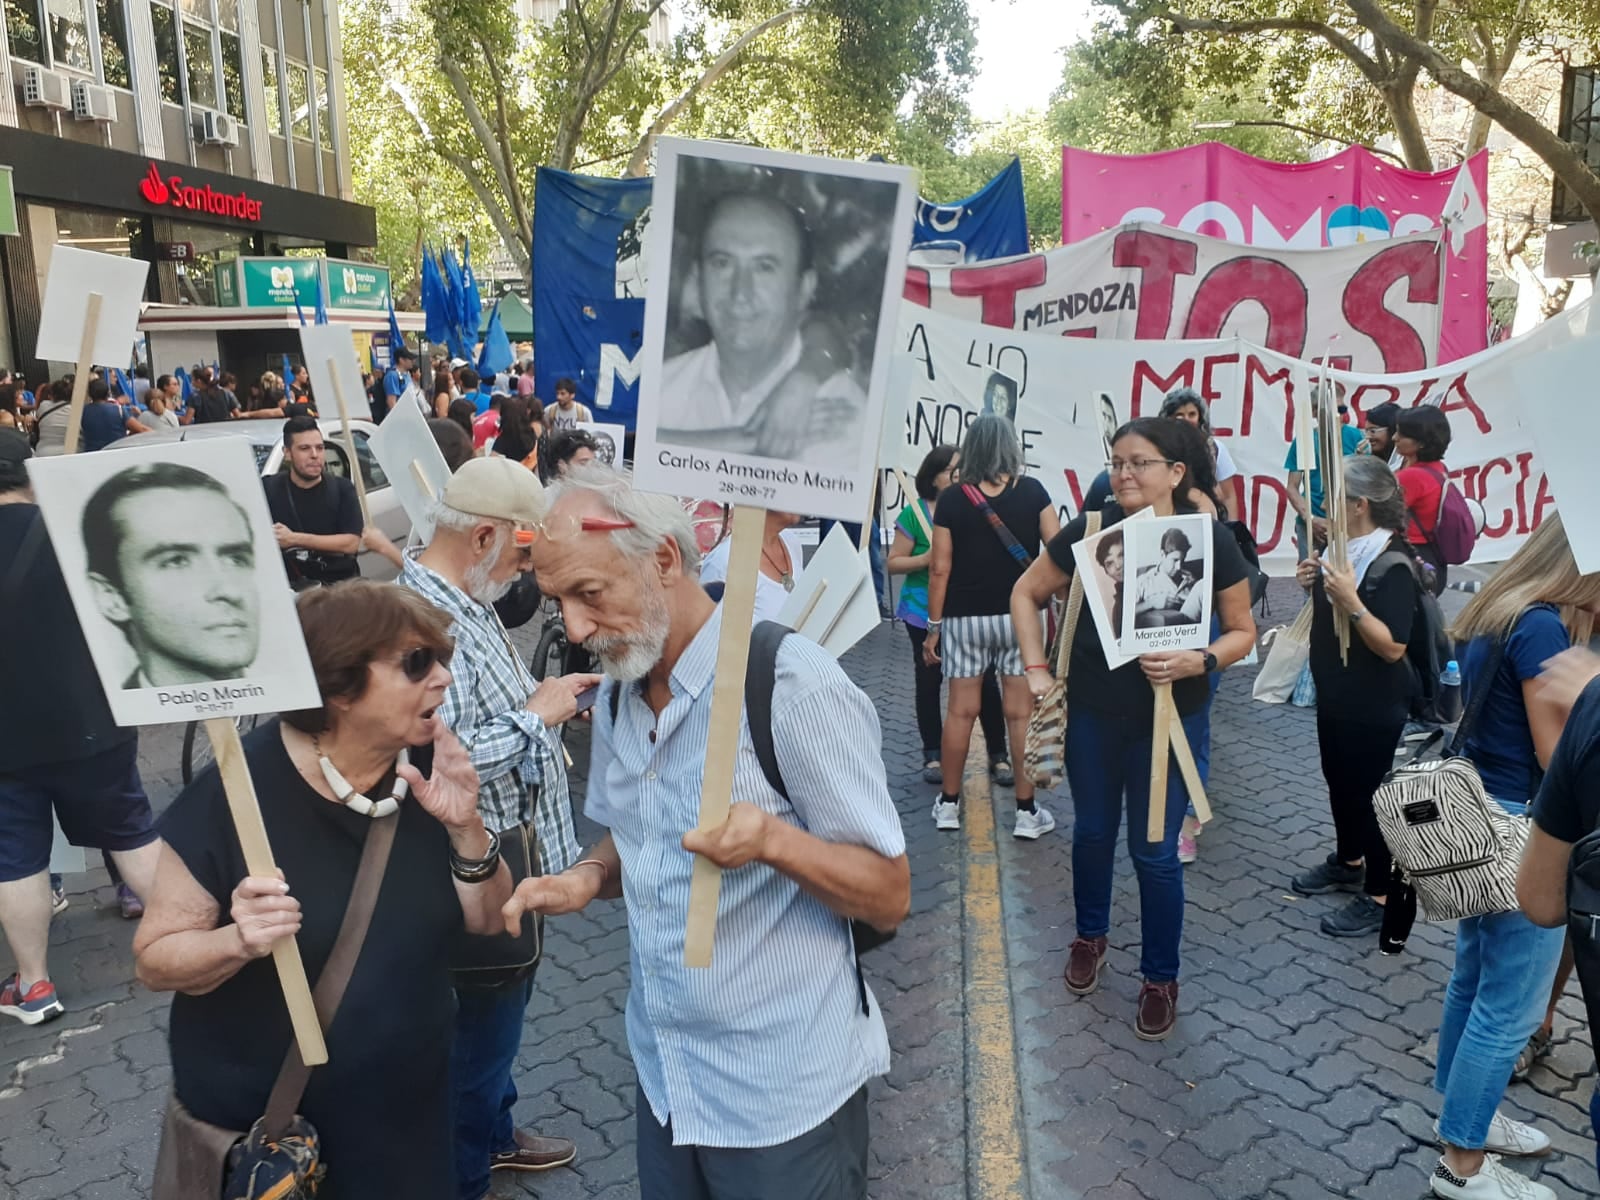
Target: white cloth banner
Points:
(1376, 303)
(948, 372)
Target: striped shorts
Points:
(969, 646)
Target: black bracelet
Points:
(477, 870)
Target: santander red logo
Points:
(173, 191)
(154, 190)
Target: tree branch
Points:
(639, 162)
(1562, 157)
(1187, 24)
(519, 208)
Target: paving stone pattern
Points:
(1300, 1066)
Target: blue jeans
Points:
(1108, 759)
(1505, 965)
(488, 1034)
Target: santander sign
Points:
(174, 191)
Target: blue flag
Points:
(321, 315)
(397, 340)
(185, 388)
(123, 387)
(300, 312)
(496, 355)
(990, 223)
(459, 340)
(471, 299)
(288, 371)
(436, 317)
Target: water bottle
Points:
(1450, 692)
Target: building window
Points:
(113, 43)
(23, 30)
(1580, 125)
(299, 80)
(324, 122)
(202, 70)
(233, 75)
(165, 23)
(69, 35)
(272, 86)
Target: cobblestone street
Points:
(1301, 1066)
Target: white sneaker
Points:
(1510, 1137)
(946, 815)
(1492, 1182)
(1033, 824)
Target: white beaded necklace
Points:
(354, 800)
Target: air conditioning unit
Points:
(45, 89)
(92, 103)
(215, 128)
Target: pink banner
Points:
(1354, 196)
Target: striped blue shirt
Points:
(770, 1040)
(486, 707)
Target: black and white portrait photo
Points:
(1102, 558)
(772, 320)
(1166, 600)
(608, 441)
(169, 557)
(1000, 396)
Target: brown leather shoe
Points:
(535, 1153)
(1158, 1010)
(1084, 963)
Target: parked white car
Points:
(266, 442)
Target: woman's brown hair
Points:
(349, 626)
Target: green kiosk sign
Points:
(8, 204)
(275, 282)
(226, 277)
(357, 285)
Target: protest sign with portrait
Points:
(1167, 591)
(170, 560)
(769, 326)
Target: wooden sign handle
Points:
(727, 702)
(1160, 749)
(1190, 771)
(80, 378)
(916, 504)
(421, 477)
(350, 443)
(252, 831)
(811, 607)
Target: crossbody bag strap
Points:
(1001, 529)
(336, 972)
(1480, 697)
(1069, 627)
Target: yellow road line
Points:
(994, 1105)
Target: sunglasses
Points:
(561, 528)
(418, 662)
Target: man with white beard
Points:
(752, 1073)
(491, 513)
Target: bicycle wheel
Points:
(549, 660)
(197, 754)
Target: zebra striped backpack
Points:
(1456, 846)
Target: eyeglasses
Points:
(418, 662)
(1137, 465)
(561, 528)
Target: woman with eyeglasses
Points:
(1111, 711)
(375, 750)
(1362, 700)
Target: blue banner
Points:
(990, 223)
(588, 288)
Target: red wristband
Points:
(1035, 667)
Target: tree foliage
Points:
(469, 101)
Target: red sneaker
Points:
(36, 1005)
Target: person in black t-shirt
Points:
(985, 531)
(1362, 705)
(75, 762)
(1112, 709)
(316, 517)
(211, 402)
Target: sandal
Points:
(1000, 772)
(1538, 1047)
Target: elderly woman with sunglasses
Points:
(376, 746)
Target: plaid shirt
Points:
(486, 707)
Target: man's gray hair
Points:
(654, 516)
(990, 450)
(453, 518)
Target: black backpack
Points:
(760, 675)
(1429, 647)
(1583, 919)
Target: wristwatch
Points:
(1211, 662)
